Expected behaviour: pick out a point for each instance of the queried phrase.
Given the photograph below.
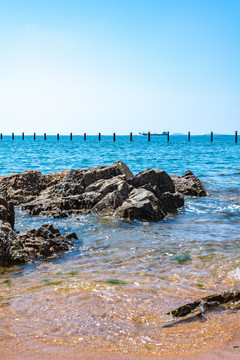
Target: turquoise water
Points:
(164, 264)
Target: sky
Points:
(119, 66)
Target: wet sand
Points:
(92, 321)
(15, 349)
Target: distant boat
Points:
(164, 133)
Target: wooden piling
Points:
(168, 136)
(189, 136)
(45, 136)
(130, 136)
(149, 136)
(34, 136)
(85, 136)
(236, 135)
(211, 136)
(23, 136)
(99, 136)
(12, 136)
(114, 137)
(70, 136)
(1, 136)
(57, 136)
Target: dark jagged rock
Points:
(11, 248)
(141, 204)
(114, 193)
(171, 202)
(78, 180)
(24, 187)
(189, 184)
(19, 187)
(199, 306)
(16, 248)
(7, 211)
(110, 190)
(46, 241)
(154, 177)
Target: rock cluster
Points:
(106, 190)
(19, 248)
(109, 190)
(46, 241)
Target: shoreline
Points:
(67, 312)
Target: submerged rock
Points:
(209, 302)
(189, 184)
(46, 241)
(18, 248)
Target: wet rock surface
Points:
(11, 247)
(21, 187)
(18, 248)
(198, 307)
(189, 184)
(106, 190)
(141, 204)
(46, 241)
(7, 211)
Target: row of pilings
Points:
(114, 136)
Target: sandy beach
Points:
(12, 349)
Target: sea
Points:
(110, 292)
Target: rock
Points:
(108, 190)
(17, 248)
(54, 178)
(20, 188)
(106, 172)
(11, 248)
(114, 192)
(7, 211)
(154, 177)
(199, 306)
(71, 236)
(188, 184)
(86, 177)
(143, 205)
(171, 202)
(46, 241)
(104, 190)
(92, 198)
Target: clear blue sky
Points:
(119, 65)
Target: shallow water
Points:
(110, 290)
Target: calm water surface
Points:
(69, 299)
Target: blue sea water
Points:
(187, 255)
